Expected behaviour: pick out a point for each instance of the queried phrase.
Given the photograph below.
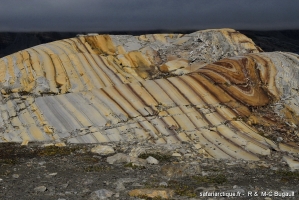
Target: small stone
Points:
(252, 166)
(137, 185)
(188, 155)
(69, 192)
(40, 189)
(120, 186)
(164, 184)
(64, 185)
(88, 182)
(152, 193)
(180, 170)
(86, 190)
(291, 162)
(15, 175)
(116, 195)
(24, 143)
(117, 158)
(1, 179)
(102, 150)
(136, 161)
(231, 163)
(152, 160)
(176, 155)
(60, 144)
(182, 151)
(53, 174)
(274, 168)
(203, 173)
(42, 163)
(135, 152)
(264, 164)
(120, 183)
(279, 139)
(48, 145)
(100, 194)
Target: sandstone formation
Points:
(213, 88)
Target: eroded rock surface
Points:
(213, 88)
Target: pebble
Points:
(68, 192)
(100, 194)
(24, 143)
(64, 185)
(117, 158)
(42, 163)
(120, 186)
(40, 188)
(137, 185)
(264, 164)
(187, 155)
(291, 162)
(180, 170)
(60, 144)
(182, 151)
(152, 160)
(164, 184)
(176, 155)
(279, 139)
(137, 161)
(102, 150)
(120, 183)
(15, 175)
(48, 145)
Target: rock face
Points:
(213, 88)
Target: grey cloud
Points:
(126, 15)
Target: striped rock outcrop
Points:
(213, 88)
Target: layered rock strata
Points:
(206, 88)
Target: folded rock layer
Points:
(204, 88)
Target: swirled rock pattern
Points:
(213, 88)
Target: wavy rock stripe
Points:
(97, 61)
(78, 90)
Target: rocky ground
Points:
(138, 171)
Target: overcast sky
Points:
(138, 15)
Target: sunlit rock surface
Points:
(213, 88)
